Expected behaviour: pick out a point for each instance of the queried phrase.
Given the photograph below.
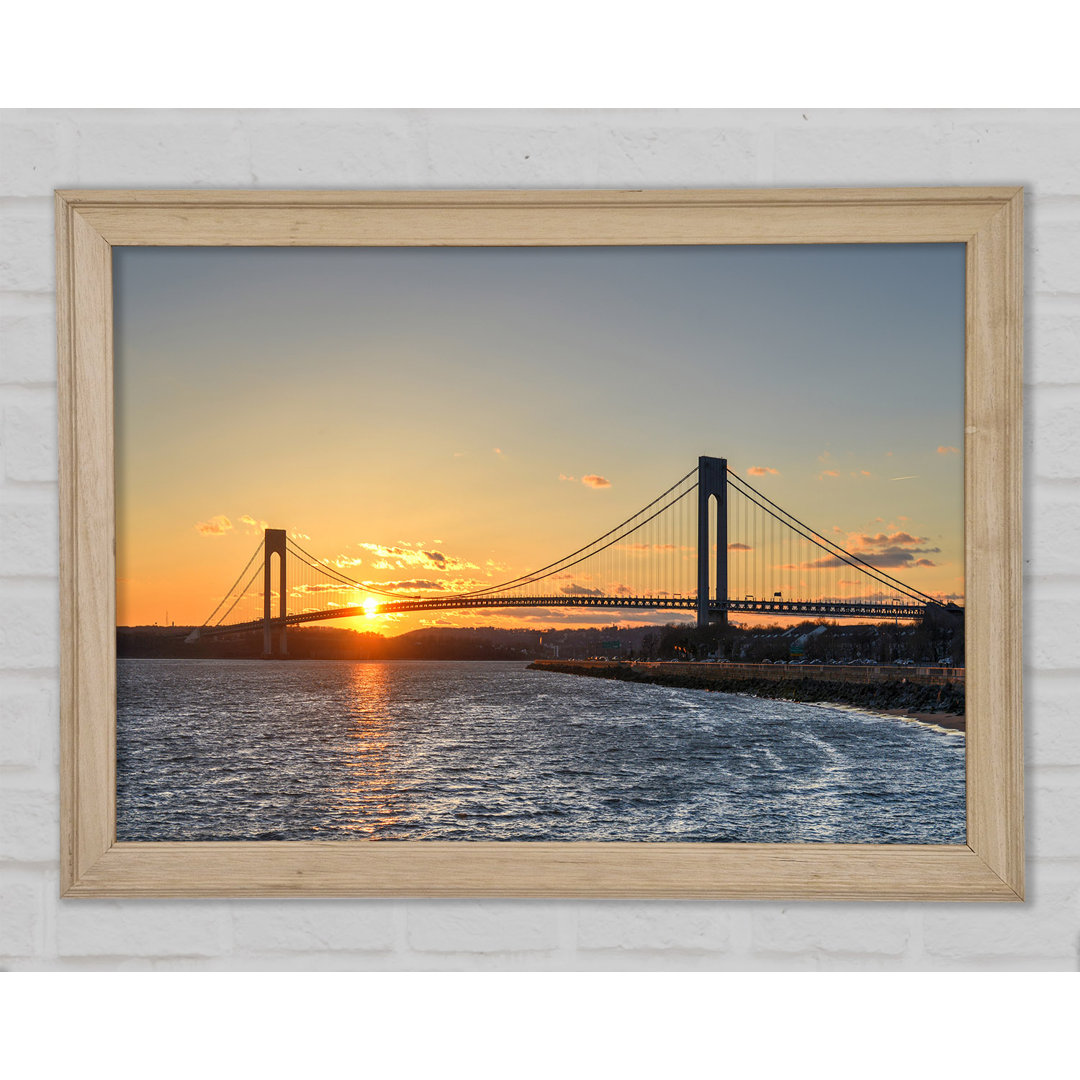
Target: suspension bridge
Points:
(711, 544)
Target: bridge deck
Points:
(807, 608)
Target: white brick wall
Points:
(46, 149)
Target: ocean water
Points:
(415, 750)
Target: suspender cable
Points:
(821, 541)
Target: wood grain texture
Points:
(88, 639)
(987, 220)
(446, 869)
(993, 525)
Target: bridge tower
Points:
(712, 481)
(273, 543)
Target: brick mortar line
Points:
(418, 126)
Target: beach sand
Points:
(953, 721)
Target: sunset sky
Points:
(484, 411)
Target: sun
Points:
(371, 605)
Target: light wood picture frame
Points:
(990, 866)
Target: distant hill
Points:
(937, 639)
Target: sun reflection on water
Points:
(368, 803)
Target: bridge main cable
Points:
(330, 571)
(832, 547)
(564, 564)
(523, 579)
(229, 591)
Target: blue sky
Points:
(363, 395)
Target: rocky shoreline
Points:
(942, 705)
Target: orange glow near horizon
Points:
(490, 378)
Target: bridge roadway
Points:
(808, 608)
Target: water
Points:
(300, 750)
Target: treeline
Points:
(936, 640)
(321, 643)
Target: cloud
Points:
(924, 562)
(321, 587)
(580, 590)
(948, 450)
(865, 542)
(652, 547)
(828, 472)
(762, 470)
(218, 525)
(594, 481)
(563, 476)
(253, 523)
(497, 452)
(739, 547)
(915, 477)
(411, 585)
(445, 586)
(884, 550)
(410, 555)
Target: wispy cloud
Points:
(253, 523)
(594, 481)
(322, 587)
(762, 470)
(827, 472)
(579, 590)
(865, 542)
(948, 450)
(739, 547)
(218, 525)
(895, 550)
(915, 477)
(563, 476)
(497, 452)
(409, 555)
(415, 585)
(409, 585)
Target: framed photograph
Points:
(644, 544)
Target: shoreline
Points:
(952, 721)
(939, 706)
